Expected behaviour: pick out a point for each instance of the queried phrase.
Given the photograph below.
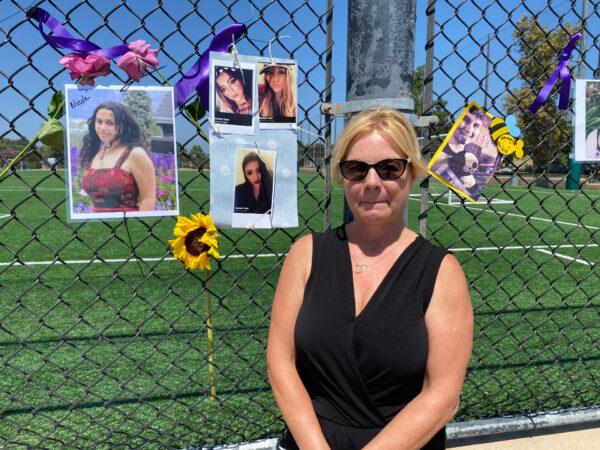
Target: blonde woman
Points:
(278, 99)
(372, 326)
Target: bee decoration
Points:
(504, 133)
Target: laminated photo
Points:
(587, 121)
(121, 154)
(277, 94)
(468, 157)
(254, 184)
(232, 95)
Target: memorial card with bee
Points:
(472, 151)
(587, 121)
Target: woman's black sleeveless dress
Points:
(361, 371)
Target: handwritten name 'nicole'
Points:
(78, 102)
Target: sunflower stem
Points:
(209, 334)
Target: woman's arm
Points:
(290, 394)
(142, 169)
(449, 322)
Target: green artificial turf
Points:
(100, 350)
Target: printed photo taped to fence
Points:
(121, 154)
(468, 157)
(587, 120)
(254, 183)
(277, 94)
(233, 95)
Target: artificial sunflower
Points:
(195, 241)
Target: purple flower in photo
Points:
(163, 161)
(74, 156)
(79, 207)
(166, 179)
(169, 204)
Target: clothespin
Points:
(271, 59)
(234, 53)
(214, 127)
(251, 225)
(295, 127)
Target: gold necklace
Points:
(107, 149)
(359, 268)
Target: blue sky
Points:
(460, 48)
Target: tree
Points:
(439, 107)
(193, 157)
(547, 134)
(139, 104)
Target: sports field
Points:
(104, 347)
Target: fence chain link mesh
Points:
(104, 336)
(530, 246)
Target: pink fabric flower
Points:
(135, 62)
(85, 67)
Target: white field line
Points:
(273, 255)
(118, 260)
(560, 255)
(542, 219)
(4, 216)
(520, 247)
(522, 189)
(35, 189)
(519, 215)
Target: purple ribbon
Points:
(61, 38)
(197, 77)
(563, 70)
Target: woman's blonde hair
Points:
(395, 129)
(287, 105)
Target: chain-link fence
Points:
(104, 336)
(530, 245)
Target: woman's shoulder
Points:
(138, 151)
(435, 258)
(300, 255)
(302, 247)
(429, 244)
(136, 158)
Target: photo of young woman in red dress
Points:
(121, 159)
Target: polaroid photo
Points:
(587, 120)
(121, 153)
(232, 89)
(277, 94)
(468, 157)
(254, 183)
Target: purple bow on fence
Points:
(197, 77)
(61, 38)
(563, 70)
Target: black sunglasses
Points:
(387, 169)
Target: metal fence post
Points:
(381, 52)
(427, 104)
